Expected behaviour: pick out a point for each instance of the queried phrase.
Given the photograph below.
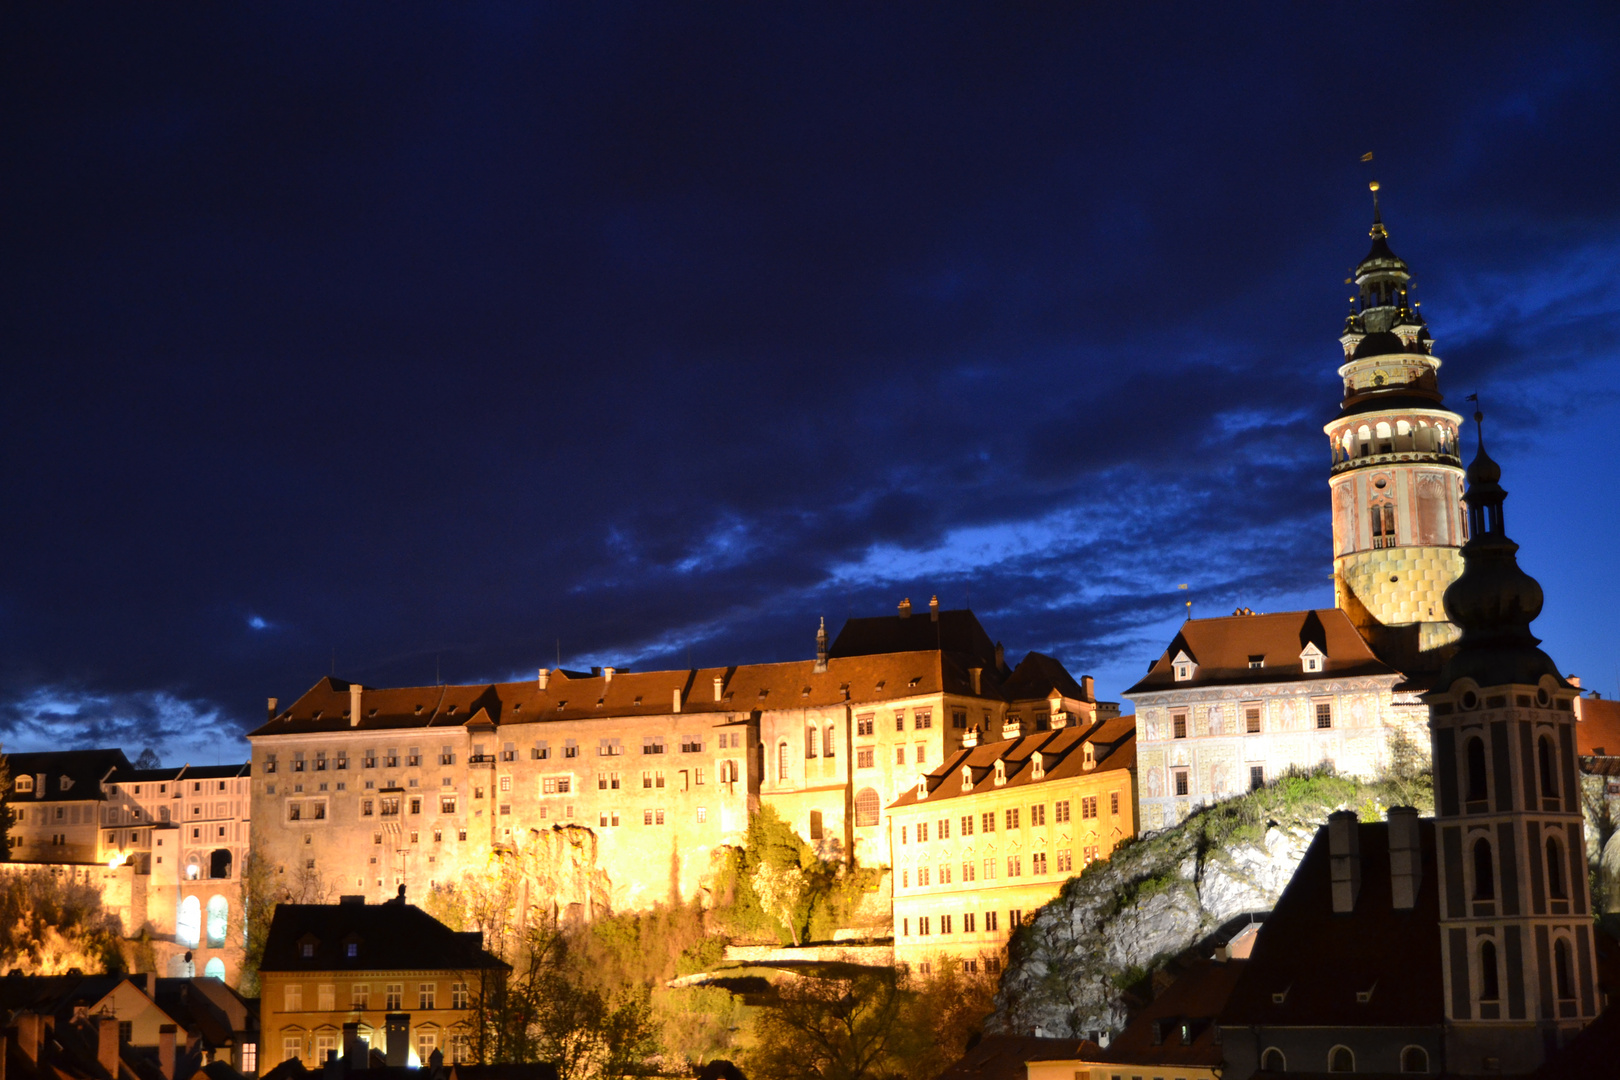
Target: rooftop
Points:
(356, 936)
(1222, 650)
(1062, 755)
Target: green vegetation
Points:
(51, 926)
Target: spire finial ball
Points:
(1373, 186)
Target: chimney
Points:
(1344, 849)
(29, 1029)
(1405, 858)
(905, 608)
(107, 1043)
(933, 609)
(166, 1050)
(676, 705)
(718, 684)
(545, 677)
(821, 646)
(271, 707)
(1088, 688)
(607, 674)
(977, 673)
(355, 691)
(398, 1028)
(354, 1047)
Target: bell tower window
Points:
(1383, 524)
(1475, 754)
(1484, 871)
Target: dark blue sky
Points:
(428, 337)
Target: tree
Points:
(261, 892)
(51, 925)
(781, 892)
(5, 809)
(149, 759)
(834, 1029)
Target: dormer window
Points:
(1090, 759)
(967, 778)
(25, 784)
(1039, 770)
(922, 787)
(307, 950)
(1001, 772)
(1312, 659)
(1257, 661)
(1183, 666)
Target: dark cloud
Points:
(419, 342)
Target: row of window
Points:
(324, 1045)
(1484, 870)
(1478, 785)
(970, 923)
(540, 751)
(360, 996)
(1181, 779)
(1038, 867)
(1012, 818)
(1414, 1059)
(1251, 719)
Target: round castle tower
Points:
(1396, 479)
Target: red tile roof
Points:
(1222, 648)
(1113, 747)
(1003, 1057)
(1598, 733)
(1154, 1036)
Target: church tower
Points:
(1396, 478)
(1518, 959)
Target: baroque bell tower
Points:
(1396, 478)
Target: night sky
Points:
(434, 342)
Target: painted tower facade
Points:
(1396, 477)
(1518, 956)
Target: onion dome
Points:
(1380, 343)
(1493, 601)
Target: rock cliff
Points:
(1111, 927)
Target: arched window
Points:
(1476, 770)
(219, 863)
(214, 969)
(1555, 870)
(1484, 871)
(1549, 771)
(1414, 1059)
(866, 808)
(1563, 975)
(1489, 987)
(188, 928)
(829, 744)
(1383, 524)
(1340, 1059)
(218, 917)
(810, 742)
(782, 761)
(1273, 1061)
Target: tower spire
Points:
(1377, 229)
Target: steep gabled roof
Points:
(1062, 755)
(1196, 998)
(1221, 650)
(388, 937)
(1037, 675)
(1318, 960)
(956, 631)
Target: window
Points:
(959, 720)
(1484, 876)
(1015, 866)
(1555, 870)
(702, 815)
(326, 997)
(1475, 756)
(1383, 524)
(1489, 986)
(1088, 808)
(292, 1047)
(1061, 811)
(1257, 777)
(1324, 714)
(460, 1051)
(811, 739)
(968, 920)
(863, 757)
(1065, 861)
(899, 755)
(905, 879)
(1037, 814)
(1341, 1060)
(394, 997)
(1012, 818)
(1181, 781)
(248, 1059)
(922, 720)
(697, 777)
(691, 744)
(1015, 919)
(1563, 975)
(292, 998)
(782, 762)
(922, 926)
(658, 778)
(571, 749)
(867, 805)
(425, 994)
(506, 785)
(863, 724)
(988, 821)
(540, 753)
(447, 804)
(829, 744)
(126, 1030)
(1178, 725)
(1183, 671)
(1414, 1059)
(1549, 774)
(967, 824)
(360, 996)
(458, 995)
(1113, 803)
(899, 720)
(416, 805)
(1251, 720)
(1257, 661)
(427, 1041)
(1037, 862)
(990, 869)
(990, 920)
(922, 876)
(967, 870)
(944, 828)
